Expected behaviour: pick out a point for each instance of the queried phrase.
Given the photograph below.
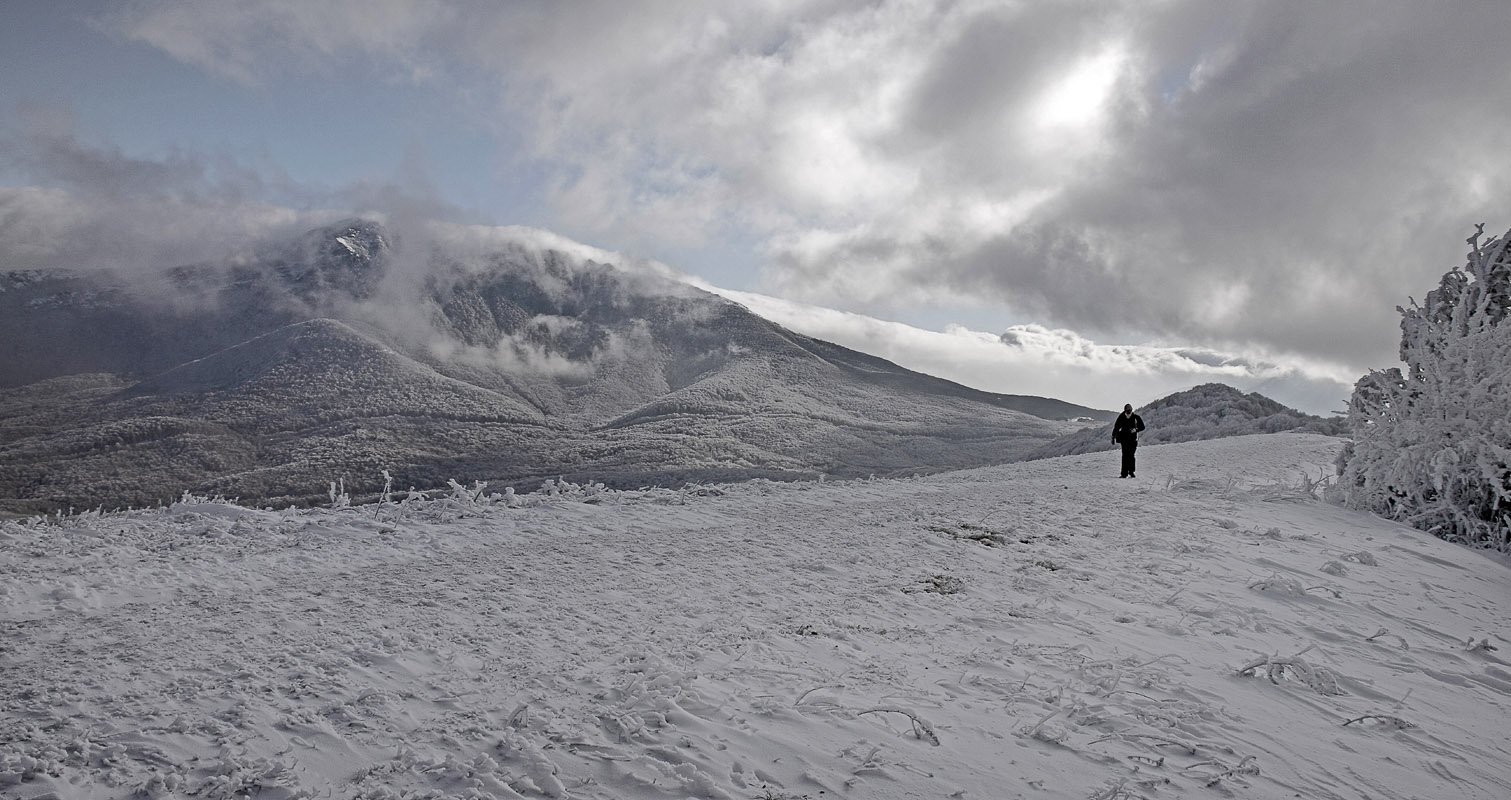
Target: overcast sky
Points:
(1098, 201)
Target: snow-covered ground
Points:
(1036, 630)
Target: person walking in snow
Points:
(1125, 432)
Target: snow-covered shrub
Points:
(1432, 443)
(339, 496)
(464, 495)
(561, 487)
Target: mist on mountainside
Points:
(442, 352)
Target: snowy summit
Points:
(1033, 630)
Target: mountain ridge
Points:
(1206, 411)
(341, 354)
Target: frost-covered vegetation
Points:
(1209, 411)
(1432, 444)
(1036, 631)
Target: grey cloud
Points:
(1068, 275)
(1329, 144)
(41, 146)
(95, 207)
(251, 41)
(990, 67)
(977, 83)
(1321, 166)
(70, 164)
(43, 228)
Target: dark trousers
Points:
(1128, 447)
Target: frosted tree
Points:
(1432, 443)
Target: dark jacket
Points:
(1127, 428)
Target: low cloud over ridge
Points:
(1032, 359)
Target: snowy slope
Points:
(1034, 630)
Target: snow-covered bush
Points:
(1431, 444)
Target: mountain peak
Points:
(1205, 391)
(359, 238)
(349, 257)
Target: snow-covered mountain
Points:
(346, 352)
(1209, 411)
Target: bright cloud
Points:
(1075, 107)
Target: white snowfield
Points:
(1035, 630)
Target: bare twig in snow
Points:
(1386, 718)
(1153, 737)
(804, 695)
(1384, 632)
(921, 728)
(1215, 771)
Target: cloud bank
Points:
(1034, 360)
